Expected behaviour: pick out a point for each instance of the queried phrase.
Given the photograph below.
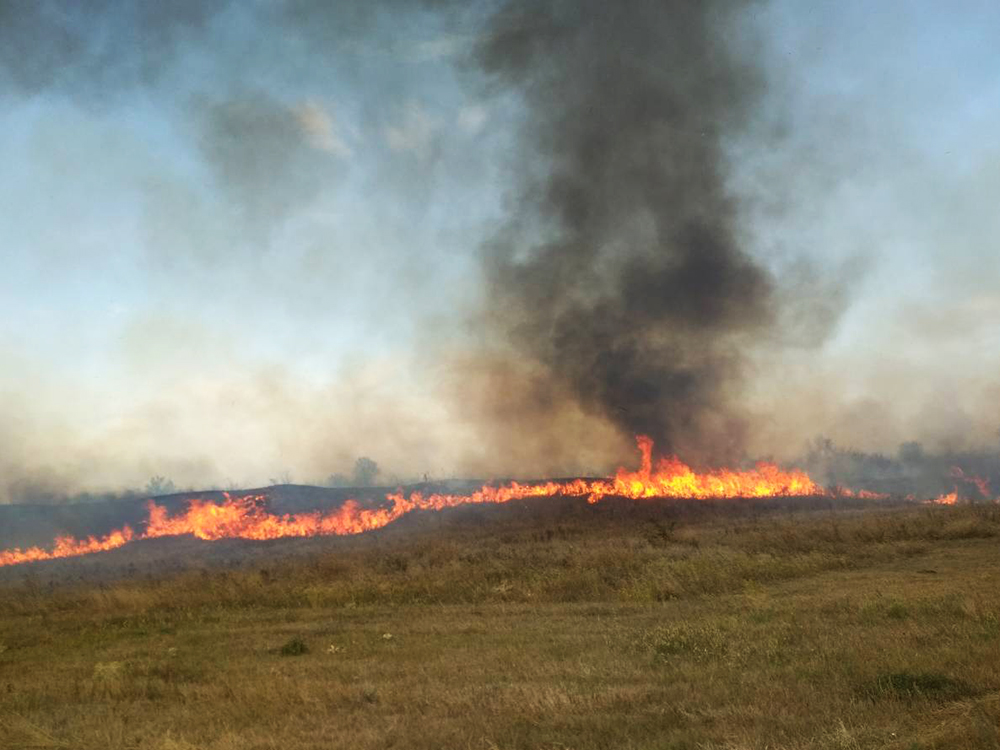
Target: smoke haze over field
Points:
(242, 239)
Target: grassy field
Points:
(627, 627)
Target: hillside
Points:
(546, 624)
(23, 526)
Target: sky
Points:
(244, 240)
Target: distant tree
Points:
(365, 472)
(911, 452)
(160, 486)
(284, 477)
(338, 480)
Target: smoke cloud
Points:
(264, 157)
(490, 239)
(639, 299)
(92, 52)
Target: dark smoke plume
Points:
(639, 295)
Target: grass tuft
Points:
(917, 685)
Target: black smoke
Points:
(639, 298)
(913, 470)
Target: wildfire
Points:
(983, 485)
(947, 499)
(67, 546)
(247, 517)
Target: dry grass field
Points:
(635, 627)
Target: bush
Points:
(294, 647)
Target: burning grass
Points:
(247, 517)
(627, 626)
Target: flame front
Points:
(248, 518)
(949, 498)
(67, 546)
(983, 485)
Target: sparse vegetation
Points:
(630, 625)
(338, 480)
(283, 477)
(366, 473)
(294, 647)
(159, 486)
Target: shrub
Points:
(294, 647)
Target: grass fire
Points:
(499, 375)
(246, 517)
(858, 622)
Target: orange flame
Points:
(248, 518)
(949, 499)
(983, 485)
(67, 546)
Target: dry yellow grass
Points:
(780, 631)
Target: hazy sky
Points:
(243, 238)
